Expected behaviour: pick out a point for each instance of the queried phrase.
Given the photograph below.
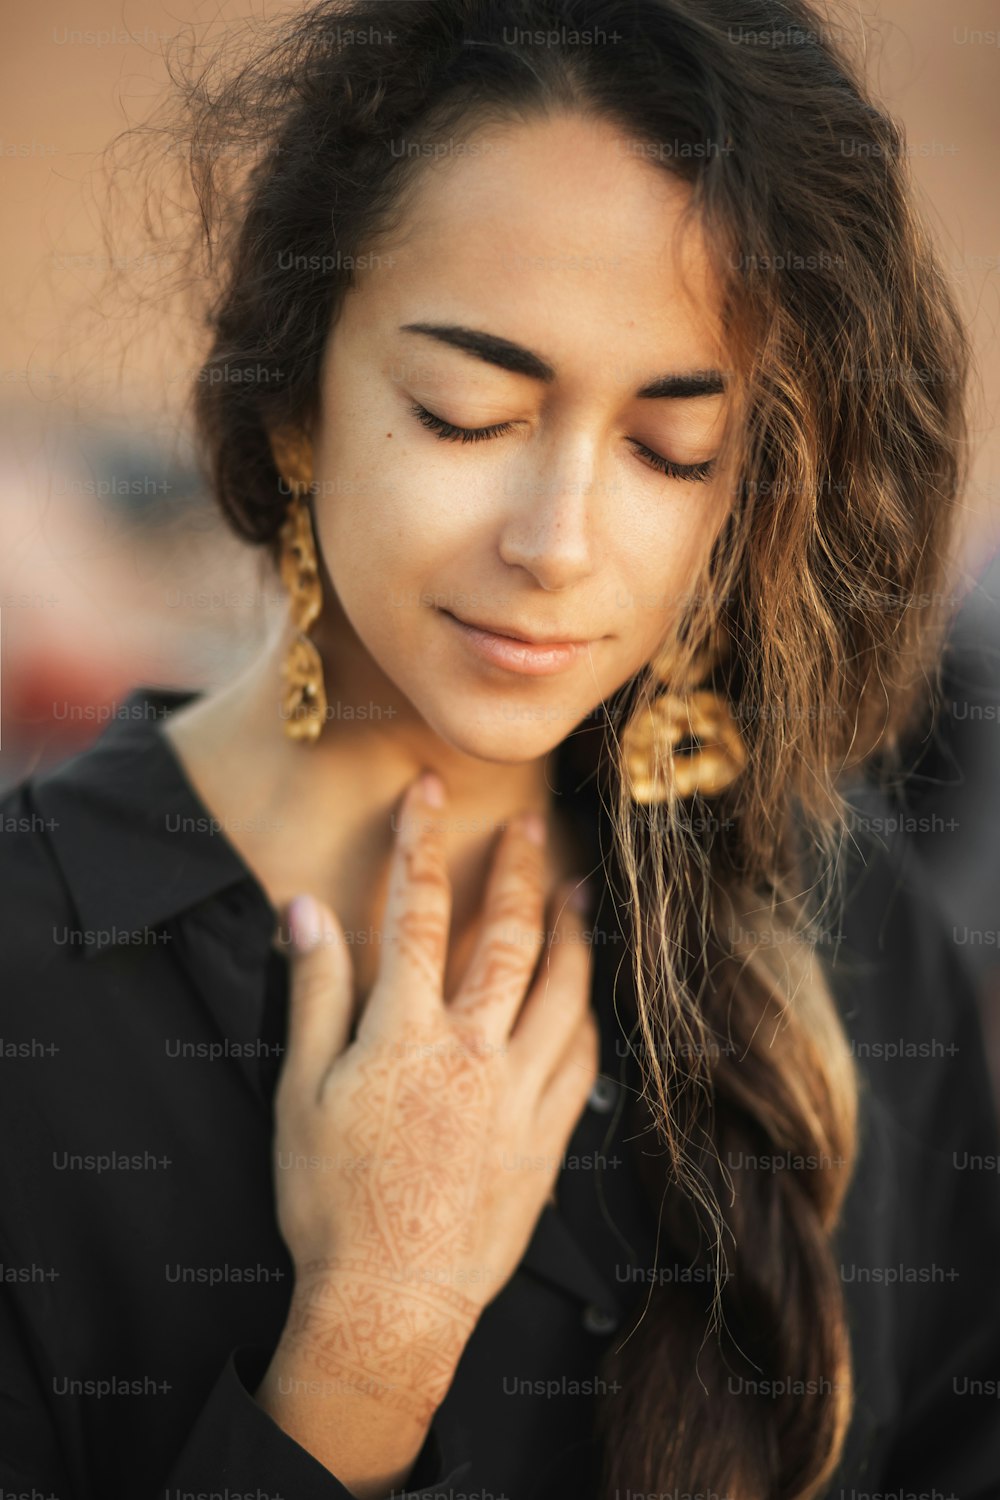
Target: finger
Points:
(416, 919)
(568, 1088)
(511, 934)
(320, 994)
(561, 992)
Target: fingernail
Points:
(533, 827)
(582, 897)
(305, 924)
(432, 789)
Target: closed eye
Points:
(672, 470)
(449, 433)
(452, 434)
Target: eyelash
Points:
(448, 432)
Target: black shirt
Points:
(145, 1283)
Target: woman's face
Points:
(557, 240)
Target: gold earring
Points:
(698, 715)
(303, 697)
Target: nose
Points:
(551, 511)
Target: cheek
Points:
(664, 570)
(387, 553)
(387, 512)
(367, 554)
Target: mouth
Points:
(528, 655)
(523, 637)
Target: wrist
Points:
(365, 1433)
(386, 1337)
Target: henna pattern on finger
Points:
(496, 970)
(421, 932)
(502, 959)
(421, 937)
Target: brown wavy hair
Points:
(846, 433)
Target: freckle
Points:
(388, 434)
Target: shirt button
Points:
(596, 1320)
(603, 1095)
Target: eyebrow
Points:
(493, 350)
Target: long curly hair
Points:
(846, 434)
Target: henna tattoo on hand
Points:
(394, 1341)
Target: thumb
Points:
(320, 999)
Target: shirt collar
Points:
(134, 842)
(132, 838)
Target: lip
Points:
(532, 658)
(514, 635)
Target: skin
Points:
(562, 527)
(438, 1133)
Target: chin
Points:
(504, 732)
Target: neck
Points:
(320, 817)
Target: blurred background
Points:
(114, 569)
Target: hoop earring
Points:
(700, 715)
(303, 696)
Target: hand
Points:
(414, 1160)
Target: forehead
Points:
(559, 235)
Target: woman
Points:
(585, 373)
